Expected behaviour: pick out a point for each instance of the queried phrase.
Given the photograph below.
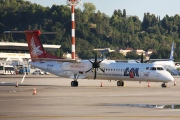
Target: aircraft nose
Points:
(169, 78)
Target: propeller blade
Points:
(95, 58)
(88, 70)
(101, 69)
(147, 61)
(100, 61)
(142, 58)
(95, 74)
(90, 61)
(137, 61)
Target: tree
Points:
(93, 30)
(115, 56)
(124, 12)
(89, 8)
(132, 55)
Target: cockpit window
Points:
(153, 68)
(156, 68)
(160, 68)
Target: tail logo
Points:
(35, 51)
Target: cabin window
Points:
(153, 68)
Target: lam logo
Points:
(35, 51)
(131, 72)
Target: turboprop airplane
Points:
(87, 69)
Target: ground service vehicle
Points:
(23, 70)
(6, 70)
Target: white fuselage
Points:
(168, 65)
(113, 70)
(165, 64)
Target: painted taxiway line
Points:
(139, 117)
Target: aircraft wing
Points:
(153, 60)
(127, 61)
(58, 60)
(122, 61)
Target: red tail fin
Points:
(35, 46)
(36, 49)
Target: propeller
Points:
(95, 66)
(142, 59)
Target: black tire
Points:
(74, 83)
(163, 85)
(122, 83)
(118, 83)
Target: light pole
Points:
(73, 3)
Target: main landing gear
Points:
(120, 83)
(75, 82)
(164, 85)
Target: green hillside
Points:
(93, 30)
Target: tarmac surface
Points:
(55, 99)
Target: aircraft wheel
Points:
(163, 85)
(120, 83)
(74, 83)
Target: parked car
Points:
(46, 73)
(38, 72)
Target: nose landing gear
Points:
(163, 85)
(75, 82)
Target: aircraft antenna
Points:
(73, 3)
